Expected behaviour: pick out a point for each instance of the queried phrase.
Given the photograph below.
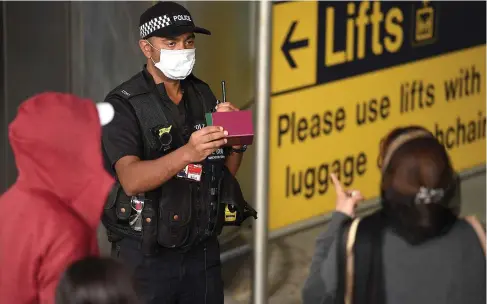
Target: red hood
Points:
(56, 140)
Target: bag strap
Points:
(363, 271)
(479, 230)
(349, 280)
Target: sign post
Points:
(262, 152)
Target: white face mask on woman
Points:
(175, 64)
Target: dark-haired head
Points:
(96, 281)
(420, 190)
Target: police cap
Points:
(167, 19)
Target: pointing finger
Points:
(338, 187)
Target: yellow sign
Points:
(293, 42)
(334, 121)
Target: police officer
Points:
(164, 220)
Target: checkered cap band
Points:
(153, 25)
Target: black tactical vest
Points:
(180, 213)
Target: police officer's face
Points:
(184, 41)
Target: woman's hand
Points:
(346, 201)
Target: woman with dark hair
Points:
(416, 248)
(96, 281)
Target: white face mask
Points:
(176, 64)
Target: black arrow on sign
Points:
(287, 46)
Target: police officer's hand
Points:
(204, 142)
(226, 107)
(346, 201)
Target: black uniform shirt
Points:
(122, 136)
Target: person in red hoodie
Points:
(49, 217)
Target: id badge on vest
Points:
(191, 172)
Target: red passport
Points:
(239, 126)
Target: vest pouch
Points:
(236, 209)
(114, 220)
(117, 207)
(175, 213)
(124, 207)
(109, 210)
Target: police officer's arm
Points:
(234, 160)
(123, 145)
(137, 176)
